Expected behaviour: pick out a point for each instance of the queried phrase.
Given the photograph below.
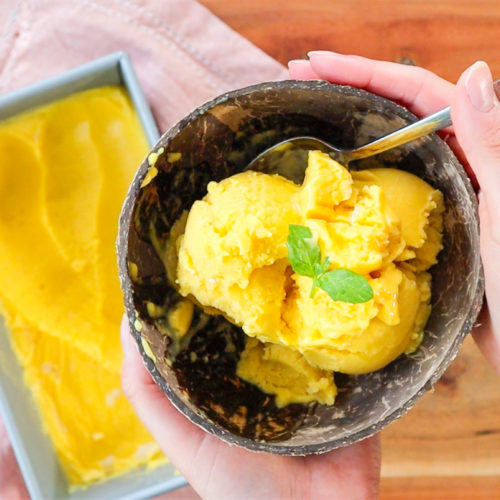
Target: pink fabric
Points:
(183, 55)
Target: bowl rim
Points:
(204, 422)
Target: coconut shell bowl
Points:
(197, 372)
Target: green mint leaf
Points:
(323, 267)
(346, 286)
(304, 253)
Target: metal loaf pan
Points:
(33, 448)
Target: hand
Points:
(12, 485)
(216, 470)
(475, 138)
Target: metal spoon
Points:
(437, 121)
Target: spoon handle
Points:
(437, 121)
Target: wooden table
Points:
(448, 446)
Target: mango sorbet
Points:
(384, 224)
(64, 172)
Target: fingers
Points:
(416, 88)
(12, 486)
(488, 336)
(476, 118)
(485, 340)
(355, 470)
(300, 69)
(475, 113)
(178, 438)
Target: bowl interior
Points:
(198, 373)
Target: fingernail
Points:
(322, 53)
(298, 62)
(479, 87)
(125, 336)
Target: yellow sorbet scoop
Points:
(384, 224)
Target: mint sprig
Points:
(340, 284)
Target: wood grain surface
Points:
(444, 36)
(448, 445)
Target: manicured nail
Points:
(298, 62)
(479, 87)
(321, 53)
(313, 53)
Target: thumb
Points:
(475, 112)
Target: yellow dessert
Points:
(64, 171)
(244, 242)
(279, 370)
(384, 224)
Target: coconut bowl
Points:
(198, 372)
